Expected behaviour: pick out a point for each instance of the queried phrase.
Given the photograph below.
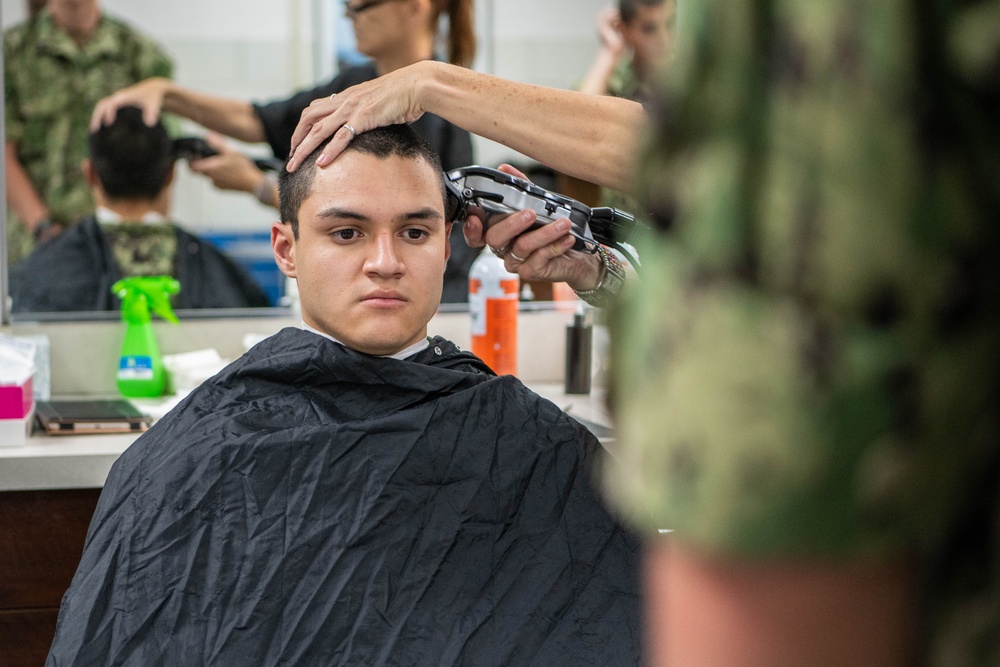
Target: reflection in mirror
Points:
(260, 50)
(219, 246)
(129, 170)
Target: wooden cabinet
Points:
(41, 540)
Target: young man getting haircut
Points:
(354, 493)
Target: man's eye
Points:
(416, 234)
(345, 234)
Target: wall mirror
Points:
(262, 50)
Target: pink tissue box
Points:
(15, 400)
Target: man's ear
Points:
(283, 245)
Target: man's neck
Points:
(401, 354)
(419, 49)
(80, 38)
(135, 210)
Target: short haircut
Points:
(382, 142)
(627, 9)
(131, 159)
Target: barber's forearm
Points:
(234, 118)
(21, 194)
(590, 137)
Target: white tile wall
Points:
(260, 49)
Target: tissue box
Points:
(15, 432)
(16, 400)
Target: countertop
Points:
(83, 461)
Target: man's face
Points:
(650, 34)
(371, 251)
(77, 17)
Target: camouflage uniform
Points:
(625, 83)
(51, 87)
(809, 366)
(142, 249)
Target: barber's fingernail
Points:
(562, 225)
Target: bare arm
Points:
(591, 137)
(21, 194)
(231, 170)
(234, 118)
(608, 56)
(707, 611)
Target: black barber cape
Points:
(311, 505)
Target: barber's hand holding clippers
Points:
(542, 254)
(228, 169)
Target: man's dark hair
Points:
(381, 142)
(132, 160)
(627, 9)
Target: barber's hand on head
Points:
(387, 100)
(543, 254)
(147, 95)
(229, 170)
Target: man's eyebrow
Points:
(427, 213)
(335, 212)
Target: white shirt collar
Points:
(402, 354)
(106, 216)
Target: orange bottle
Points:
(493, 306)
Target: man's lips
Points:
(384, 299)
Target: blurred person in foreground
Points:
(57, 65)
(807, 375)
(394, 34)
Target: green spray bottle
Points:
(140, 367)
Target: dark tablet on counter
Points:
(90, 416)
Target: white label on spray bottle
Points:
(135, 368)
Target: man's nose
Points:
(384, 258)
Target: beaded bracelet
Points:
(611, 283)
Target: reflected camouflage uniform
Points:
(51, 86)
(625, 83)
(142, 249)
(809, 366)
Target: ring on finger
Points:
(351, 130)
(516, 258)
(499, 252)
(332, 96)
